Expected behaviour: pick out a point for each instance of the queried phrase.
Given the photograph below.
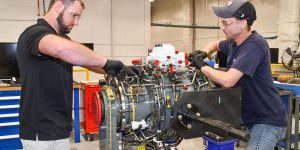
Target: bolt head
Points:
(179, 117)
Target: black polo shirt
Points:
(261, 103)
(46, 96)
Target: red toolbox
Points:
(89, 126)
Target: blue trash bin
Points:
(226, 145)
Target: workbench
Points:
(9, 116)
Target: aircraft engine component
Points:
(140, 110)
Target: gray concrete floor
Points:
(191, 144)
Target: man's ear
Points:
(245, 23)
(58, 7)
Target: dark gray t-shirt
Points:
(46, 96)
(261, 103)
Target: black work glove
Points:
(197, 61)
(114, 68)
(133, 71)
(202, 53)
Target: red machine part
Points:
(186, 58)
(136, 61)
(156, 62)
(179, 61)
(171, 70)
(98, 110)
(185, 87)
(89, 125)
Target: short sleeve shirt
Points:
(46, 82)
(261, 103)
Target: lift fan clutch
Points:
(291, 59)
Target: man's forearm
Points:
(78, 54)
(71, 52)
(217, 76)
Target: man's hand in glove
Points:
(118, 69)
(133, 71)
(114, 68)
(197, 61)
(198, 52)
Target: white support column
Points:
(187, 19)
(288, 24)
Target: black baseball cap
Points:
(240, 9)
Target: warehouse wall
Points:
(162, 11)
(120, 29)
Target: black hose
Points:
(184, 26)
(199, 27)
(271, 38)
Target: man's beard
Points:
(63, 29)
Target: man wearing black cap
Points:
(248, 62)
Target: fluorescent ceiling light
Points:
(151, 0)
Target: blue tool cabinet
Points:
(9, 117)
(9, 120)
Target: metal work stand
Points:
(297, 122)
(291, 138)
(287, 98)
